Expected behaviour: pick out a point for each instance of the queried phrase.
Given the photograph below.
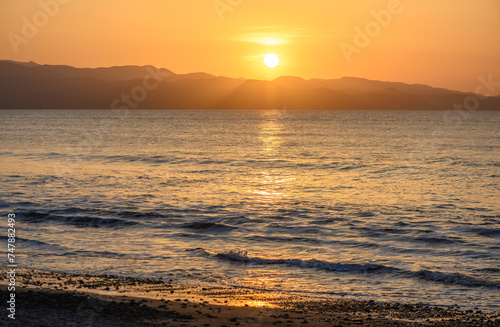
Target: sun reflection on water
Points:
(271, 185)
(271, 133)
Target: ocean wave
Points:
(327, 221)
(283, 239)
(4, 204)
(96, 254)
(136, 158)
(352, 166)
(487, 232)
(237, 255)
(438, 240)
(241, 256)
(159, 159)
(25, 240)
(36, 245)
(139, 214)
(40, 217)
(207, 226)
(453, 278)
(489, 270)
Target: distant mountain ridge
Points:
(30, 85)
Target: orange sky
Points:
(445, 43)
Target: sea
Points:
(390, 206)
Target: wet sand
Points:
(59, 299)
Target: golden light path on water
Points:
(273, 185)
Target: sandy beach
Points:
(60, 299)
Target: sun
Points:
(271, 60)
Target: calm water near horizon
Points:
(396, 206)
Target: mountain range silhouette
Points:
(33, 86)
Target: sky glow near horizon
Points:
(446, 43)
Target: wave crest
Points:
(241, 256)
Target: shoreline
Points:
(63, 299)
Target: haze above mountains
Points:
(33, 86)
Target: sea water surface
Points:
(398, 206)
